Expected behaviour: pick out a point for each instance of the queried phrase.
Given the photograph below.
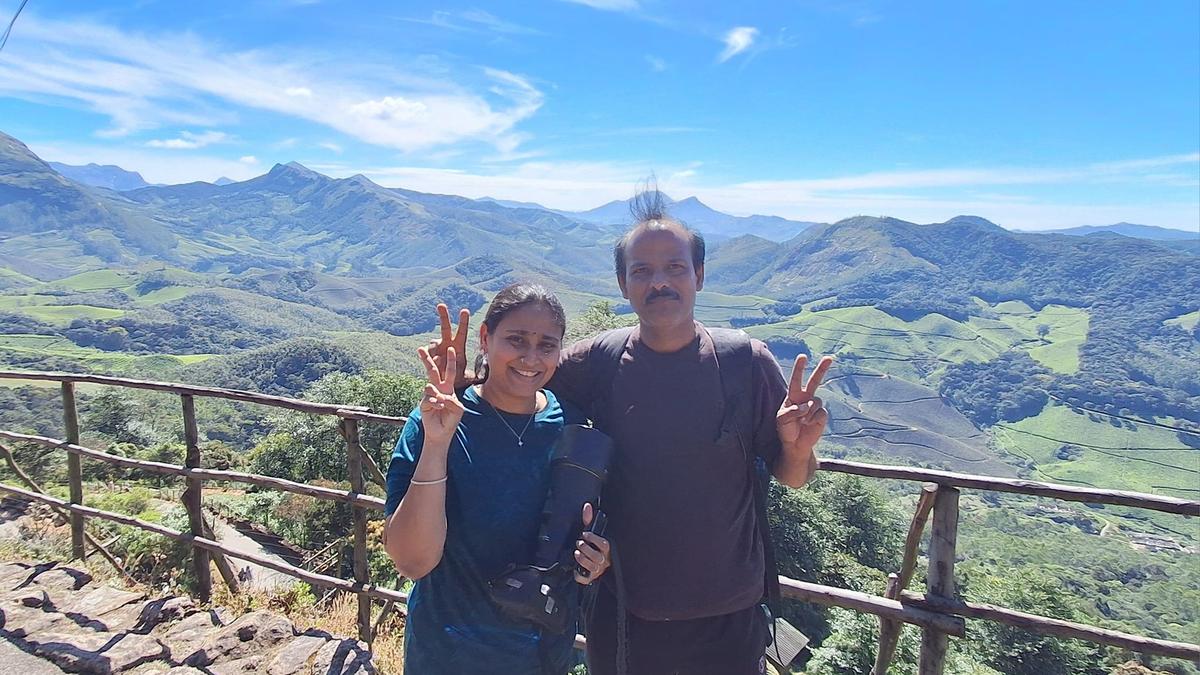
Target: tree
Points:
(305, 447)
(597, 318)
(837, 531)
(1015, 651)
(116, 416)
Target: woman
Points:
(466, 486)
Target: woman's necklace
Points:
(520, 437)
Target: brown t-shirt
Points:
(679, 498)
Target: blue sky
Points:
(1031, 114)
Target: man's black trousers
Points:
(730, 644)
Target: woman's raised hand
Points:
(439, 349)
(440, 408)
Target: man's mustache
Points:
(664, 293)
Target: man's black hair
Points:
(649, 208)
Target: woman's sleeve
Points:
(404, 461)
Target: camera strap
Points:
(735, 364)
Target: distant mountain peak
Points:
(224, 180)
(101, 175)
(1129, 230)
(972, 220)
(294, 166)
(293, 173)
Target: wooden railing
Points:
(939, 612)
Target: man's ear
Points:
(483, 338)
(621, 283)
(700, 277)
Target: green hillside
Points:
(1070, 447)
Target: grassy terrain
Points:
(906, 349)
(1058, 349)
(15, 278)
(718, 308)
(1127, 457)
(90, 358)
(61, 315)
(1185, 321)
(913, 350)
(98, 280)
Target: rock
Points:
(294, 657)
(19, 620)
(252, 633)
(13, 660)
(250, 664)
(61, 579)
(32, 598)
(185, 637)
(102, 600)
(12, 574)
(343, 657)
(161, 611)
(100, 652)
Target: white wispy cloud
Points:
(332, 147)
(609, 5)
(652, 131)
(657, 64)
(474, 20)
(737, 40)
(248, 159)
(188, 140)
(143, 82)
(1118, 171)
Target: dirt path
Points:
(256, 576)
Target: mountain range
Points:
(1129, 230)
(105, 176)
(715, 225)
(294, 253)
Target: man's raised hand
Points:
(440, 408)
(457, 340)
(802, 417)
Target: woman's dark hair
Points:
(649, 209)
(513, 297)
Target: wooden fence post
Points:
(354, 467)
(192, 499)
(74, 469)
(889, 631)
(939, 582)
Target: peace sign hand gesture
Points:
(802, 417)
(440, 349)
(440, 408)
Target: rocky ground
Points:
(55, 619)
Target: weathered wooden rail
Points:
(939, 612)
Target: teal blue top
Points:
(494, 498)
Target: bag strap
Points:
(735, 363)
(603, 363)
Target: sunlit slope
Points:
(1071, 446)
(905, 422)
(915, 350)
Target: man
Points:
(679, 496)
